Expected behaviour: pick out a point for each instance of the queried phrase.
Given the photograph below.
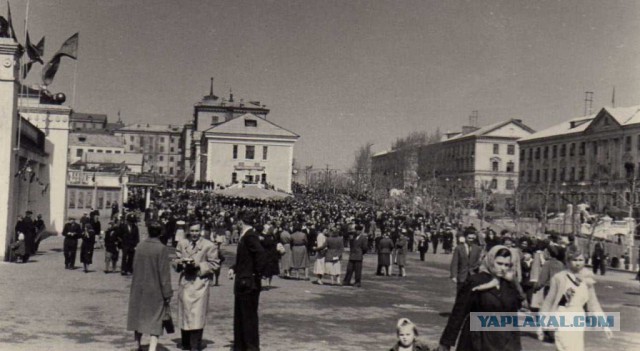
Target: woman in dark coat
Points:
(86, 249)
(486, 291)
(401, 249)
(150, 288)
(268, 240)
(385, 246)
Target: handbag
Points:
(167, 321)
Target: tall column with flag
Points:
(9, 68)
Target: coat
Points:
(505, 299)
(463, 265)
(558, 289)
(401, 249)
(150, 287)
(358, 247)
(335, 247)
(129, 237)
(193, 285)
(250, 264)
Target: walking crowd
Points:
(313, 235)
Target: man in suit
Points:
(358, 248)
(599, 257)
(72, 231)
(465, 260)
(129, 238)
(250, 263)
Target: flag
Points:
(70, 49)
(4, 28)
(35, 53)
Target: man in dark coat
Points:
(40, 227)
(599, 257)
(358, 248)
(29, 231)
(435, 238)
(129, 237)
(111, 247)
(385, 247)
(248, 269)
(465, 261)
(72, 231)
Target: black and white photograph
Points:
(335, 175)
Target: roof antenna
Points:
(588, 102)
(613, 97)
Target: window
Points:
(250, 151)
(562, 174)
(537, 175)
(234, 177)
(510, 184)
(627, 144)
(108, 151)
(173, 149)
(521, 155)
(545, 153)
(494, 166)
(80, 202)
(554, 151)
(118, 152)
(235, 152)
(572, 174)
(160, 170)
(162, 139)
(214, 120)
(265, 149)
(563, 150)
(171, 170)
(130, 147)
(100, 151)
(583, 147)
(90, 150)
(250, 123)
(496, 149)
(537, 153)
(595, 147)
(79, 152)
(264, 178)
(545, 175)
(494, 183)
(510, 167)
(161, 158)
(72, 199)
(161, 148)
(581, 173)
(511, 149)
(100, 200)
(141, 141)
(170, 158)
(553, 175)
(131, 138)
(572, 149)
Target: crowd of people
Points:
(314, 235)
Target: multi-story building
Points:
(93, 123)
(234, 142)
(593, 159)
(83, 144)
(473, 159)
(160, 145)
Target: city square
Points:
(302, 175)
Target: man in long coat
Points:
(150, 288)
(358, 248)
(197, 260)
(72, 231)
(248, 269)
(129, 238)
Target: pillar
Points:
(9, 68)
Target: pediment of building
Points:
(603, 122)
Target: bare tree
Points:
(361, 169)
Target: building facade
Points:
(592, 159)
(471, 160)
(161, 146)
(81, 145)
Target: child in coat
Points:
(407, 333)
(19, 250)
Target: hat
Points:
(71, 218)
(29, 212)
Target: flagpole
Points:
(21, 79)
(75, 76)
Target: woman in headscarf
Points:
(487, 291)
(268, 241)
(571, 290)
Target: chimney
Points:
(468, 129)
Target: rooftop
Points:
(86, 117)
(98, 140)
(623, 115)
(489, 128)
(153, 128)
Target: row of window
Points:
(149, 140)
(250, 152)
(495, 166)
(79, 152)
(83, 198)
(562, 150)
(258, 178)
(509, 184)
(554, 175)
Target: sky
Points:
(343, 73)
